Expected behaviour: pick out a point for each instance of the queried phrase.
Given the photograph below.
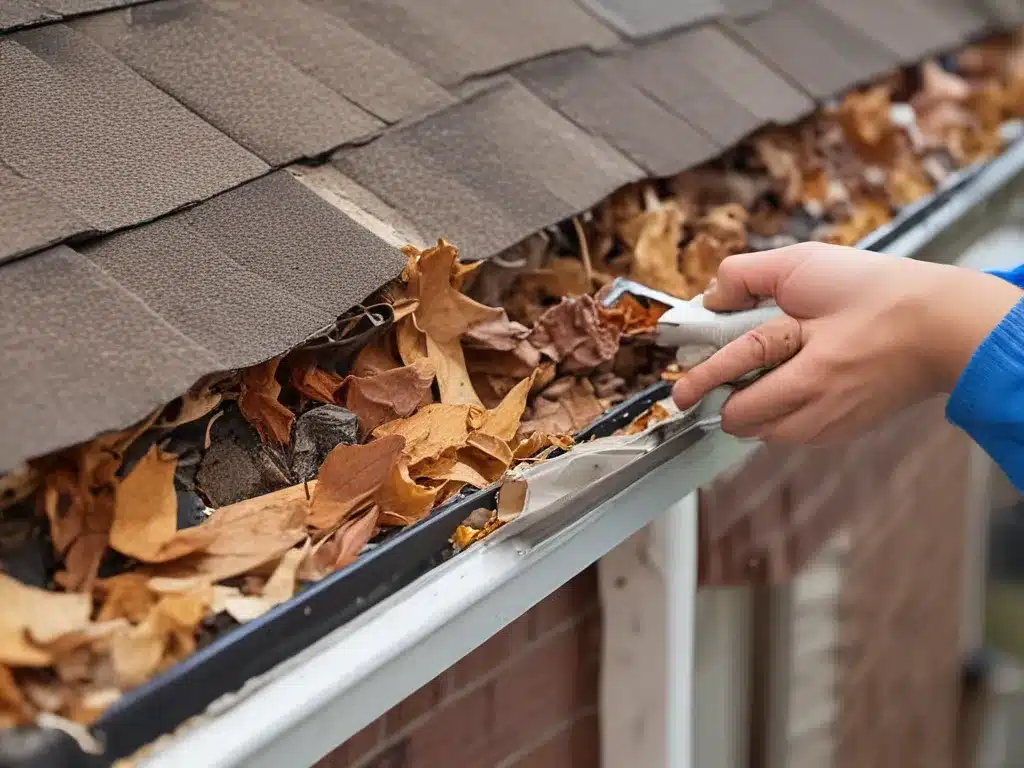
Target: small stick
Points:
(588, 270)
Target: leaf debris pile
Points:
(121, 556)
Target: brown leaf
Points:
(503, 422)
(350, 479)
(648, 418)
(315, 383)
(571, 333)
(443, 313)
(193, 405)
(780, 158)
(433, 428)
(656, 253)
(701, 258)
(402, 500)
(280, 587)
(32, 617)
(499, 334)
(566, 407)
(342, 547)
(631, 317)
(391, 394)
(166, 636)
(866, 120)
(238, 538)
(540, 441)
(146, 507)
(373, 359)
(453, 382)
(15, 709)
(260, 406)
(411, 341)
(868, 216)
(126, 596)
(728, 225)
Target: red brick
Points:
(483, 660)
(577, 745)
(457, 734)
(573, 599)
(543, 687)
(357, 746)
(415, 705)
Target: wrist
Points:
(961, 308)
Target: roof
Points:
(155, 225)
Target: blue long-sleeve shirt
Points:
(988, 399)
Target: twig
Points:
(588, 269)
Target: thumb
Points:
(746, 278)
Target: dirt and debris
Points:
(122, 554)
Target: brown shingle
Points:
(231, 79)
(815, 49)
(18, 13)
(323, 46)
(29, 219)
(597, 96)
(490, 170)
(452, 40)
(81, 354)
(644, 18)
(99, 140)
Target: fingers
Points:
(746, 278)
(777, 395)
(766, 346)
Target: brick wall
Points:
(527, 698)
(900, 493)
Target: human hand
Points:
(864, 335)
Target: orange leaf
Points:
(350, 479)
(389, 395)
(444, 313)
(373, 359)
(453, 382)
(146, 507)
(503, 422)
(316, 383)
(433, 429)
(260, 406)
(402, 500)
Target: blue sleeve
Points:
(1015, 275)
(988, 400)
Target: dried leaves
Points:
(259, 403)
(573, 335)
(389, 394)
(146, 507)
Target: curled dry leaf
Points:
(238, 538)
(342, 547)
(656, 413)
(453, 382)
(866, 119)
(125, 596)
(433, 429)
(656, 252)
(146, 507)
(193, 405)
(444, 313)
(32, 618)
(166, 636)
(541, 441)
(15, 709)
(373, 359)
(631, 317)
(260, 406)
(780, 158)
(350, 479)
(402, 500)
(728, 225)
(388, 395)
(564, 408)
(701, 259)
(18, 484)
(314, 382)
(572, 334)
